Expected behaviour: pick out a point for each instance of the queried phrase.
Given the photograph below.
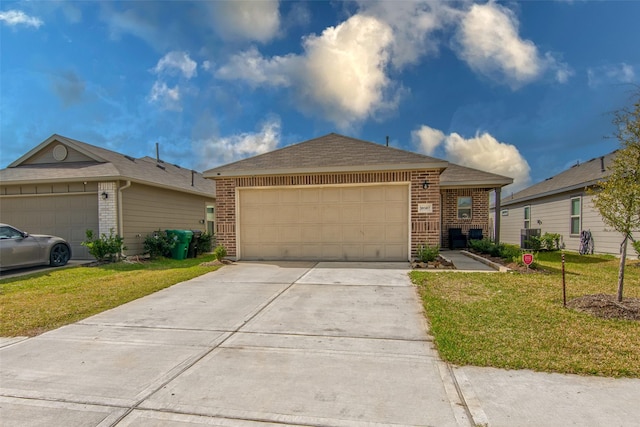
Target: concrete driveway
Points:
(329, 344)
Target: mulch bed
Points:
(439, 263)
(606, 306)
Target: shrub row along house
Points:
(64, 187)
(331, 198)
(562, 204)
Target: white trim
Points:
(75, 193)
(237, 226)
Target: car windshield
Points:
(10, 233)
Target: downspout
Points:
(120, 215)
(498, 214)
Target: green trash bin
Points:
(182, 238)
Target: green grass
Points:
(36, 303)
(517, 321)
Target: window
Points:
(576, 214)
(464, 207)
(210, 219)
(527, 217)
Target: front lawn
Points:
(36, 303)
(517, 321)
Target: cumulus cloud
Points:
(216, 150)
(246, 20)
(177, 62)
(488, 41)
(14, 18)
(69, 87)
(341, 74)
(613, 73)
(173, 64)
(167, 97)
(428, 139)
(483, 152)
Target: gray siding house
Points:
(561, 204)
(64, 187)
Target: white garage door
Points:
(66, 216)
(354, 223)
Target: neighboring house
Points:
(561, 204)
(64, 187)
(340, 198)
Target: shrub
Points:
(104, 248)
(636, 246)
(551, 241)
(534, 243)
(158, 243)
(428, 253)
(220, 252)
(483, 246)
(204, 243)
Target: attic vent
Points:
(130, 158)
(60, 152)
(161, 167)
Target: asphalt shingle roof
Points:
(339, 153)
(107, 165)
(578, 176)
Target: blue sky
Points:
(523, 89)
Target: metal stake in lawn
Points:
(564, 286)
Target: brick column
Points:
(107, 208)
(226, 215)
(425, 227)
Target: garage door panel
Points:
(367, 222)
(67, 216)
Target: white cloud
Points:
(168, 98)
(341, 74)
(608, 74)
(246, 20)
(14, 18)
(483, 152)
(257, 70)
(177, 62)
(427, 138)
(488, 41)
(216, 150)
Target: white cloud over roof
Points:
(246, 20)
(14, 18)
(483, 152)
(177, 62)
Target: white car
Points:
(19, 249)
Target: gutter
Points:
(120, 215)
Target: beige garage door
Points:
(364, 223)
(67, 216)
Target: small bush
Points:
(204, 243)
(483, 246)
(104, 248)
(220, 252)
(511, 252)
(636, 246)
(428, 253)
(534, 243)
(158, 244)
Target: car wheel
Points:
(59, 255)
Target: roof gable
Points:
(88, 162)
(576, 177)
(329, 153)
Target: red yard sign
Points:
(527, 259)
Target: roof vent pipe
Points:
(193, 173)
(158, 152)
(602, 169)
(387, 140)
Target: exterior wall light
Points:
(425, 184)
(105, 195)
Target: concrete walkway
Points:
(259, 344)
(331, 344)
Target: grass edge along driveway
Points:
(517, 321)
(39, 302)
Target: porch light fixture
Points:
(425, 184)
(105, 195)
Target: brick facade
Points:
(424, 227)
(479, 211)
(108, 207)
